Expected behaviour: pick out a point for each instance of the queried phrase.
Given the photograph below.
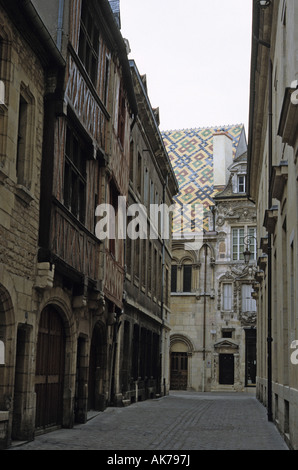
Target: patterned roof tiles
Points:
(191, 155)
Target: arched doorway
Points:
(179, 369)
(179, 363)
(7, 346)
(97, 369)
(50, 364)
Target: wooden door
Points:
(226, 369)
(49, 375)
(97, 370)
(179, 368)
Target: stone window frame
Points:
(241, 184)
(185, 261)
(241, 246)
(5, 77)
(26, 132)
(223, 285)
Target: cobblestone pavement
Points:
(181, 421)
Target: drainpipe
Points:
(162, 290)
(205, 304)
(42, 31)
(204, 315)
(269, 326)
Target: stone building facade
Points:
(85, 167)
(273, 175)
(25, 60)
(213, 316)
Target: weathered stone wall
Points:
(23, 75)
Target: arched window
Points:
(174, 278)
(187, 277)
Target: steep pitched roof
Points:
(191, 155)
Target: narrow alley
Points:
(182, 421)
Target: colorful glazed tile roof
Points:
(191, 155)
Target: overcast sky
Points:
(196, 55)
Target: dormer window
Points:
(241, 185)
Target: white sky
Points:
(196, 55)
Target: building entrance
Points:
(179, 367)
(97, 370)
(226, 369)
(49, 377)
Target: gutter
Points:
(42, 31)
(254, 54)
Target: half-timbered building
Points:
(144, 333)
(67, 104)
(85, 164)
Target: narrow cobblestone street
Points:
(182, 421)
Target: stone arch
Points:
(57, 299)
(183, 339)
(202, 249)
(7, 338)
(61, 301)
(185, 259)
(181, 350)
(187, 249)
(175, 260)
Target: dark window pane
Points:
(187, 271)
(174, 279)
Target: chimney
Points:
(222, 159)
(115, 5)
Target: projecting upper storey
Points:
(87, 34)
(88, 113)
